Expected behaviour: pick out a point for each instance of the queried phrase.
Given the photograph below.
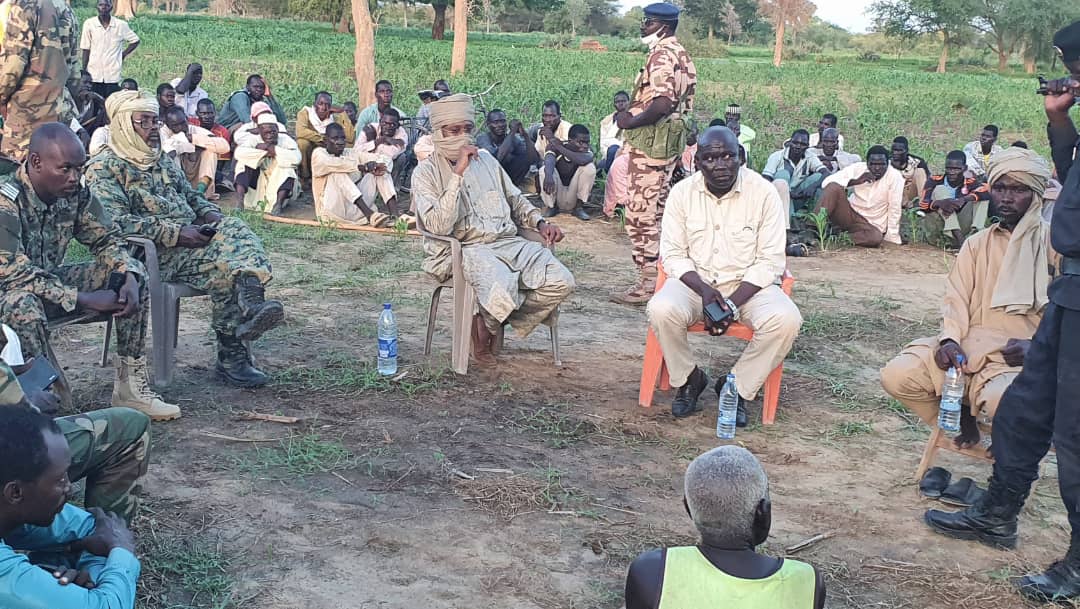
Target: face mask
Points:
(450, 147)
(651, 40)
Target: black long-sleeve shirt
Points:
(1065, 225)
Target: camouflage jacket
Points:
(39, 65)
(34, 237)
(154, 204)
(11, 393)
(668, 72)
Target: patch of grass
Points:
(346, 374)
(511, 496)
(187, 573)
(555, 424)
(575, 260)
(840, 325)
(850, 429)
(882, 302)
(299, 456)
(273, 234)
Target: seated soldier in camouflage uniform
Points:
(109, 447)
(42, 207)
(147, 195)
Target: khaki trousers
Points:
(915, 381)
(371, 184)
(772, 316)
(566, 196)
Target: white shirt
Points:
(189, 101)
(843, 159)
(815, 138)
(99, 140)
(738, 237)
(562, 133)
(609, 134)
(106, 46)
(880, 202)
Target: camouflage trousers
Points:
(28, 315)
(234, 251)
(110, 449)
(648, 183)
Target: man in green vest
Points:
(727, 496)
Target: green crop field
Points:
(876, 101)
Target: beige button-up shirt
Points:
(106, 46)
(734, 238)
(880, 202)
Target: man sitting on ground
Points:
(237, 110)
(994, 299)
(89, 555)
(736, 266)
(384, 100)
(463, 192)
(508, 145)
(726, 494)
(148, 196)
(129, 84)
(109, 446)
(438, 90)
(733, 121)
(345, 181)
(978, 153)
(830, 154)
(350, 110)
(166, 97)
(873, 211)
(195, 149)
(266, 167)
(914, 170)
(610, 141)
(206, 117)
(311, 123)
(188, 91)
(954, 206)
(551, 127)
(796, 175)
(43, 206)
(568, 174)
(386, 138)
(828, 121)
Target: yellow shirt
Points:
(738, 237)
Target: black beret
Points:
(1067, 42)
(662, 11)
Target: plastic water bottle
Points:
(387, 342)
(952, 393)
(729, 406)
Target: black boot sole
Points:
(269, 317)
(1001, 543)
(241, 383)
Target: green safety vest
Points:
(692, 582)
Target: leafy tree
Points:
(731, 22)
(910, 19)
(786, 15)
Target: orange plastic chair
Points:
(654, 372)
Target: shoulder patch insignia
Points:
(11, 190)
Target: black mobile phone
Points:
(208, 230)
(716, 314)
(39, 377)
(116, 281)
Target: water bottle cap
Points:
(731, 376)
(386, 305)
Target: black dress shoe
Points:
(551, 212)
(1058, 583)
(686, 399)
(741, 416)
(990, 520)
(581, 214)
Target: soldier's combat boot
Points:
(640, 292)
(990, 520)
(234, 363)
(1060, 582)
(259, 314)
(131, 390)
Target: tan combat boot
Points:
(132, 390)
(640, 292)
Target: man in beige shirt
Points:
(722, 242)
(194, 148)
(345, 180)
(552, 127)
(994, 299)
(871, 214)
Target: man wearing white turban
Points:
(463, 192)
(148, 195)
(267, 167)
(994, 300)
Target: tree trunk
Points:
(364, 55)
(438, 25)
(343, 22)
(730, 36)
(1029, 63)
(710, 33)
(778, 46)
(461, 36)
(405, 15)
(944, 53)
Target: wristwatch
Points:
(734, 309)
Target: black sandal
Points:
(934, 482)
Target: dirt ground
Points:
(526, 485)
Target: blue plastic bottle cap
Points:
(386, 305)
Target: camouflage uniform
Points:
(39, 68)
(108, 447)
(669, 72)
(156, 204)
(36, 286)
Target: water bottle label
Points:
(387, 348)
